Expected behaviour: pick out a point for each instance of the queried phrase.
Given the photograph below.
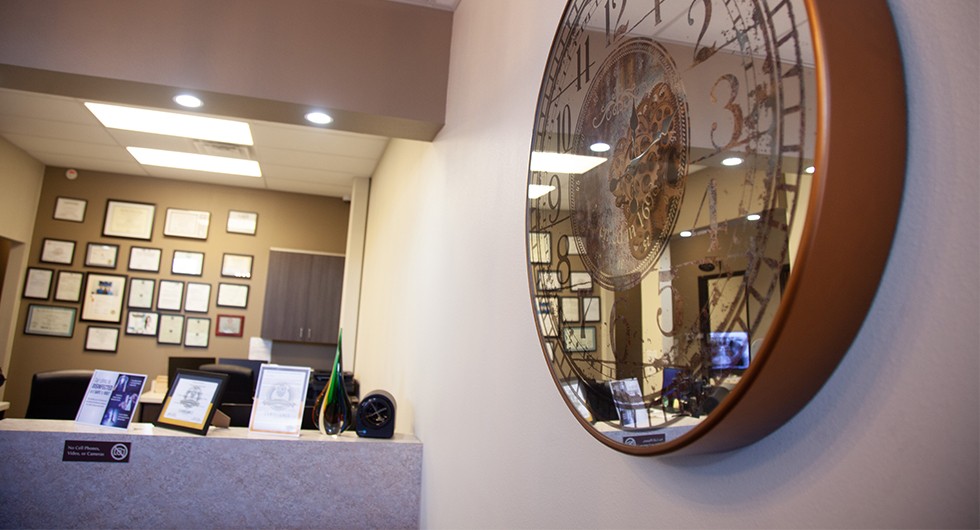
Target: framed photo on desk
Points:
(191, 401)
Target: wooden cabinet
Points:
(302, 297)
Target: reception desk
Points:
(228, 479)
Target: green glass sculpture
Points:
(333, 408)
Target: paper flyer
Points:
(111, 399)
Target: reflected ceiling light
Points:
(753, 217)
(196, 162)
(563, 163)
(188, 100)
(319, 118)
(686, 233)
(732, 161)
(172, 123)
(535, 191)
(809, 170)
(599, 147)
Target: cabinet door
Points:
(286, 295)
(323, 305)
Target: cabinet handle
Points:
(301, 333)
(309, 333)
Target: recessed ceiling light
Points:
(319, 118)
(686, 233)
(599, 147)
(188, 100)
(535, 191)
(753, 217)
(196, 162)
(732, 161)
(809, 170)
(172, 123)
(563, 163)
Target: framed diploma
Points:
(579, 338)
(539, 250)
(102, 300)
(171, 329)
(198, 299)
(187, 263)
(280, 395)
(101, 255)
(242, 222)
(232, 295)
(141, 293)
(171, 296)
(99, 338)
(144, 259)
(229, 326)
(569, 309)
(38, 283)
(50, 320)
(68, 209)
(69, 287)
(581, 281)
(236, 266)
(142, 323)
(131, 220)
(191, 401)
(591, 307)
(196, 332)
(57, 251)
(191, 224)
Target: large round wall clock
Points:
(713, 190)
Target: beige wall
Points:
(285, 220)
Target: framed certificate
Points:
(242, 222)
(131, 220)
(578, 338)
(196, 332)
(99, 338)
(141, 293)
(142, 323)
(280, 395)
(591, 309)
(191, 224)
(103, 298)
(101, 255)
(69, 287)
(236, 266)
(171, 295)
(581, 281)
(191, 401)
(229, 326)
(57, 251)
(569, 309)
(232, 295)
(38, 283)
(198, 299)
(171, 329)
(539, 247)
(144, 259)
(53, 321)
(188, 263)
(68, 209)
(548, 281)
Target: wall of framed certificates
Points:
(127, 271)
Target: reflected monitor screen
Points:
(729, 350)
(673, 388)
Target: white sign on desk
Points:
(279, 399)
(111, 399)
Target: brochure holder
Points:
(111, 399)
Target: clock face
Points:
(668, 175)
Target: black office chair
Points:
(236, 400)
(58, 394)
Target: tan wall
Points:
(285, 220)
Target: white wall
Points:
(891, 440)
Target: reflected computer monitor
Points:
(729, 350)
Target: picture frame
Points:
(191, 401)
(141, 292)
(37, 283)
(579, 338)
(539, 247)
(242, 222)
(580, 281)
(229, 326)
(102, 299)
(170, 296)
(101, 255)
(170, 329)
(142, 323)
(69, 287)
(545, 307)
(591, 309)
(60, 251)
(129, 220)
(190, 224)
(50, 320)
(187, 263)
(236, 266)
(69, 209)
(102, 338)
(232, 295)
(570, 309)
(280, 395)
(146, 259)
(548, 281)
(197, 298)
(196, 332)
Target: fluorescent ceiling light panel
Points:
(196, 162)
(535, 191)
(563, 163)
(172, 123)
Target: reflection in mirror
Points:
(667, 189)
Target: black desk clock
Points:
(375, 416)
